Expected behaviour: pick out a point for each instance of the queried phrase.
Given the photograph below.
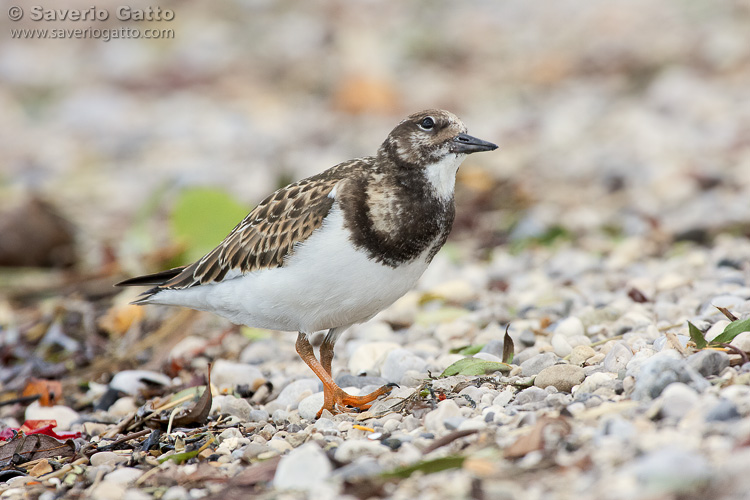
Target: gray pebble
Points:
(537, 363)
(709, 362)
(305, 469)
(494, 347)
(291, 394)
(398, 362)
(349, 380)
(660, 371)
(723, 410)
(530, 395)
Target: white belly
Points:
(326, 283)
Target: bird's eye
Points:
(427, 124)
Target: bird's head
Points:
(429, 137)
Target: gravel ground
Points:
(614, 213)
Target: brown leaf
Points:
(726, 312)
(637, 296)
(41, 468)
(198, 414)
(48, 390)
(535, 440)
(119, 319)
(508, 348)
(34, 447)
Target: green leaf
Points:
(474, 366)
(201, 219)
(697, 336)
(470, 350)
(178, 458)
(731, 331)
(427, 466)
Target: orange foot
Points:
(335, 399)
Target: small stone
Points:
(677, 399)
(709, 362)
(561, 377)
(176, 493)
(660, 371)
(368, 357)
(595, 381)
(580, 354)
(352, 449)
(124, 476)
(503, 398)
(561, 345)
(663, 343)
(494, 347)
(305, 469)
(292, 394)
(618, 357)
(229, 374)
(134, 494)
(671, 470)
(280, 417)
(570, 327)
(537, 363)
(398, 362)
(279, 445)
(107, 458)
(132, 382)
(530, 395)
(107, 490)
(252, 451)
(64, 416)
(258, 416)
(434, 420)
(260, 351)
(349, 380)
(453, 423)
(724, 410)
(360, 469)
(308, 408)
(236, 407)
(123, 406)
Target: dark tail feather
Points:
(155, 279)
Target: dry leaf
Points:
(535, 440)
(34, 447)
(48, 390)
(40, 469)
(119, 319)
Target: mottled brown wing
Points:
(267, 235)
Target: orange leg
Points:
(335, 399)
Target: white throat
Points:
(442, 175)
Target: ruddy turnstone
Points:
(334, 249)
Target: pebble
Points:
(291, 395)
(310, 406)
(352, 449)
(107, 458)
(434, 421)
(305, 468)
(176, 493)
(123, 476)
(561, 377)
(64, 415)
(617, 358)
(709, 362)
(580, 354)
(236, 407)
(132, 382)
(677, 399)
(229, 374)
(671, 469)
(536, 364)
(660, 371)
(398, 362)
(368, 357)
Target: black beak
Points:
(466, 144)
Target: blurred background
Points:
(613, 117)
